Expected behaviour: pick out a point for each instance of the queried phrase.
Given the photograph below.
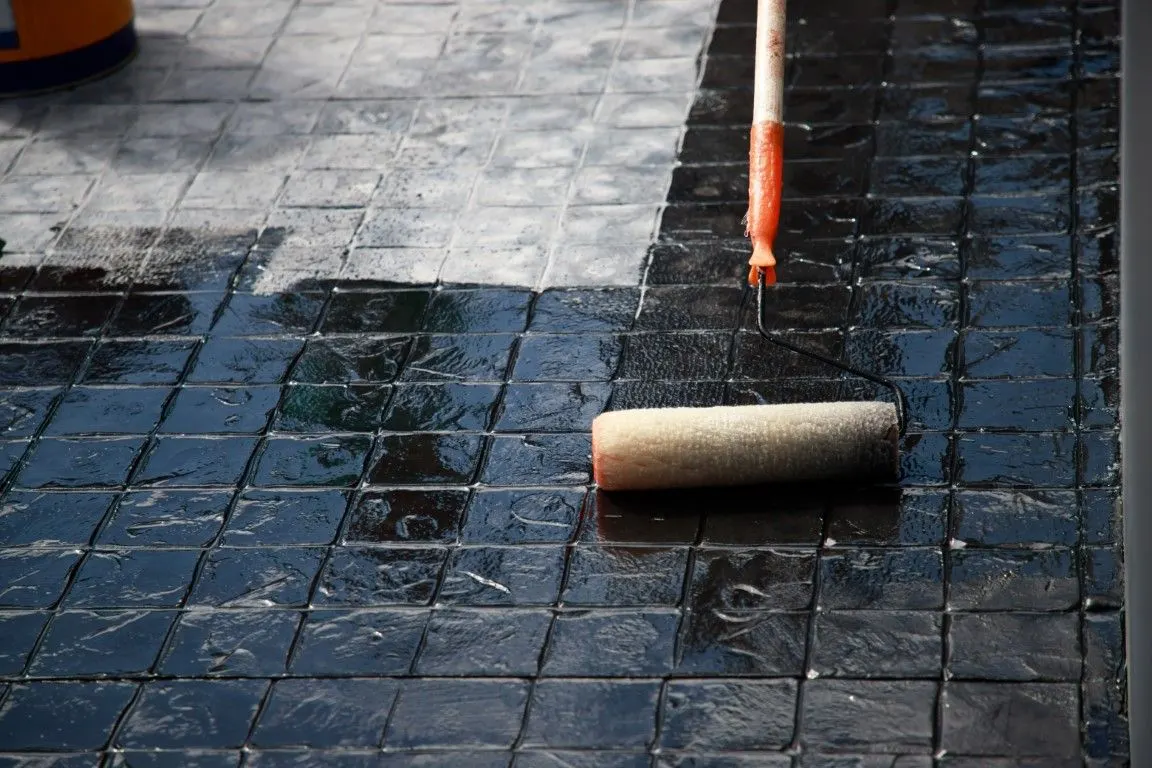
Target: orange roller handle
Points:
(766, 142)
(765, 186)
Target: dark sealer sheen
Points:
(342, 521)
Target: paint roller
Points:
(668, 448)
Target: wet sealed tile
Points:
(1036, 405)
(277, 315)
(366, 642)
(991, 580)
(649, 518)
(752, 579)
(58, 316)
(237, 410)
(364, 576)
(1041, 708)
(905, 579)
(1004, 136)
(481, 311)
(79, 462)
(91, 411)
(101, 643)
(718, 641)
(1104, 646)
(559, 357)
(269, 518)
(603, 644)
(333, 460)
(782, 519)
(188, 461)
(418, 459)
(868, 715)
(463, 642)
(1103, 571)
(491, 575)
(21, 629)
(438, 407)
(329, 713)
(255, 578)
(1018, 304)
(220, 643)
(538, 460)
(30, 518)
(728, 715)
(1016, 460)
(999, 518)
(39, 364)
(457, 713)
(585, 759)
(23, 411)
(522, 516)
(187, 713)
(458, 358)
(584, 311)
(623, 711)
(406, 515)
(38, 716)
(349, 361)
(139, 362)
(1014, 646)
(166, 519)
(884, 643)
(552, 407)
(242, 361)
(622, 576)
(904, 353)
(911, 517)
(924, 305)
(35, 578)
(389, 312)
(133, 579)
(994, 354)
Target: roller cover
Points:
(655, 448)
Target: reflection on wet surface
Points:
(352, 523)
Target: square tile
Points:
(188, 725)
(221, 643)
(486, 713)
(84, 711)
(869, 715)
(166, 519)
(367, 642)
(503, 576)
(624, 713)
(98, 643)
(1042, 708)
(302, 712)
(257, 578)
(369, 576)
(728, 714)
(619, 576)
(406, 515)
(463, 642)
(133, 579)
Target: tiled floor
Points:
(305, 316)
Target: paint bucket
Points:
(46, 45)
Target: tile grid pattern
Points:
(654, 621)
(503, 127)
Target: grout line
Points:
(958, 362)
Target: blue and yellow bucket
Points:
(51, 44)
